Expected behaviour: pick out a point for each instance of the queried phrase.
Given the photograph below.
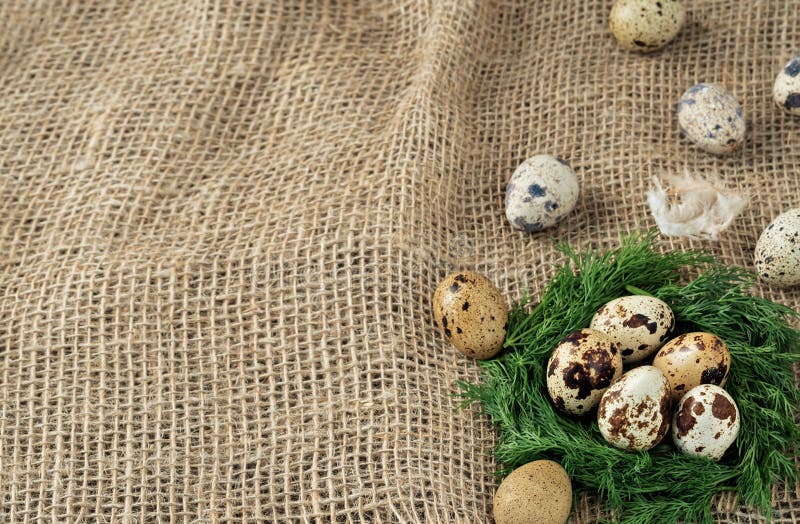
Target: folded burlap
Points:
(222, 222)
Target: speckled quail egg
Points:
(634, 413)
(637, 324)
(778, 251)
(706, 422)
(472, 313)
(712, 118)
(693, 359)
(539, 492)
(541, 192)
(787, 87)
(582, 366)
(646, 25)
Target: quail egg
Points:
(539, 492)
(582, 366)
(706, 422)
(634, 413)
(645, 25)
(712, 118)
(637, 324)
(541, 192)
(472, 313)
(693, 359)
(778, 251)
(787, 87)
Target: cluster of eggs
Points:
(585, 370)
(635, 408)
(670, 382)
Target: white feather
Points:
(693, 207)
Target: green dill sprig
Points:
(659, 486)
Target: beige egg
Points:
(472, 313)
(542, 191)
(583, 365)
(712, 118)
(786, 91)
(635, 412)
(778, 251)
(646, 25)
(706, 422)
(637, 324)
(693, 359)
(539, 492)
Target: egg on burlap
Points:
(542, 191)
(778, 251)
(712, 118)
(786, 91)
(646, 25)
(539, 492)
(472, 313)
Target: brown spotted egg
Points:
(712, 118)
(646, 25)
(778, 251)
(583, 365)
(693, 359)
(541, 192)
(635, 412)
(539, 492)
(706, 422)
(472, 313)
(787, 87)
(637, 324)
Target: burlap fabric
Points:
(221, 224)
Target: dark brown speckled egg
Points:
(693, 359)
(583, 365)
(635, 412)
(472, 313)
(706, 422)
(637, 324)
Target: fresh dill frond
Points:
(659, 486)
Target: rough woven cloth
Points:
(222, 222)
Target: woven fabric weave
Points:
(222, 222)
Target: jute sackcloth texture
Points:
(222, 222)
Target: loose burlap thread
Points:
(221, 224)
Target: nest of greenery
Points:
(660, 485)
